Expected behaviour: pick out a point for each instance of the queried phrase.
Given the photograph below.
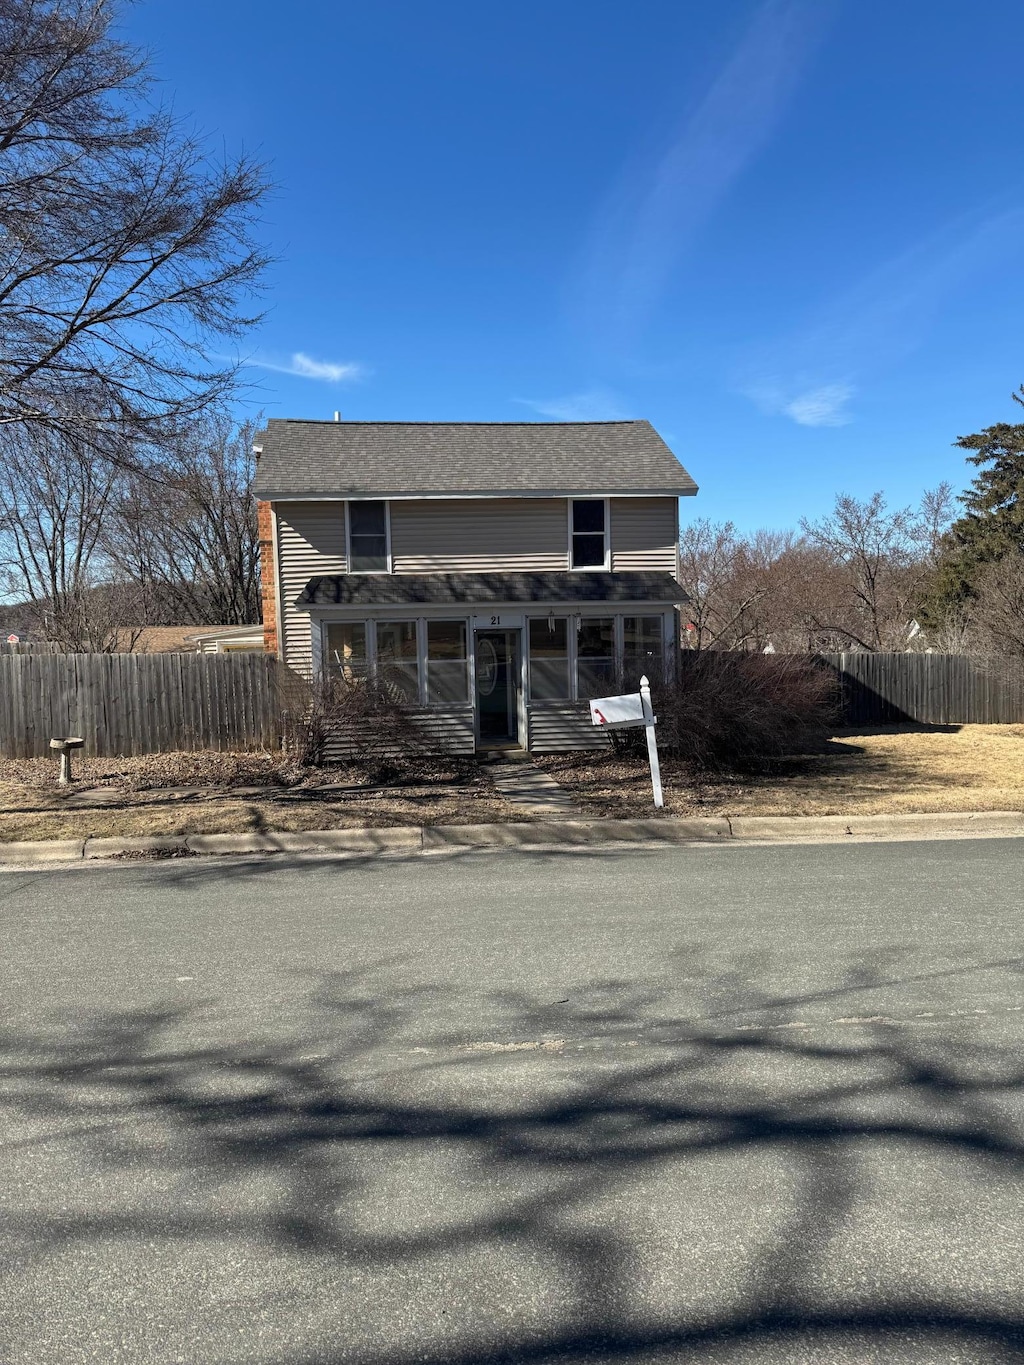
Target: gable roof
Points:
(310, 460)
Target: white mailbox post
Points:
(631, 710)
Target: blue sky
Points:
(790, 233)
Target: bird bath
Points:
(64, 747)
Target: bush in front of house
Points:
(361, 718)
(739, 711)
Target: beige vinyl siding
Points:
(310, 541)
(468, 535)
(446, 729)
(557, 726)
(644, 534)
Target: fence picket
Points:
(931, 689)
(139, 703)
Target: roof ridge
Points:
(399, 422)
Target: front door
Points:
(497, 686)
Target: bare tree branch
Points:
(124, 250)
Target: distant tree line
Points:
(91, 550)
(867, 577)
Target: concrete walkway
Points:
(528, 789)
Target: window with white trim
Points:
(549, 658)
(595, 656)
(346, 649)
(398, 659)
(643, 649)
(368, 537)
(447, 663)
(589, 533)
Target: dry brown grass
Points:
(222, 793)
(867, 772)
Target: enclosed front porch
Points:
(500, 674)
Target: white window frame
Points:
(387, 533)
(570, 618)
(372, 622)
(591, 568)
(468, 662)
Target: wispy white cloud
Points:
(593, 405)
(825, 406)
(657, 208)
(812, 374)
(303, 366)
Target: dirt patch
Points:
(182, 794)
(906, 769)
(210, 769)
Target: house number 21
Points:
(495, 620)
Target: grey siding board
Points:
(557, 726)
(644, 534)
(446, 729)
(311, 540)
(497, 535)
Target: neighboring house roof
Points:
(446, 589)
(300, 459)
(226, 633)
(154, 639)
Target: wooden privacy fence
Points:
(141, 703)
(933, 689)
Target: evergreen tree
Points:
(993, 522)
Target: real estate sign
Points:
(632, 709)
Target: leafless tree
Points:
(852, 580)
(884, 558)
(997, 611)
(709, 555)
(188, 537)
(124, 248)
(54, 498)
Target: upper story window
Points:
(368, 537)
(588, 533)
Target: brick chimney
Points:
(265, 526)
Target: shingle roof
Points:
(448, 589)
(301, 459)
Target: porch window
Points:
(595, 656)
(447, 663)
(368, 537)
(589, 533)
(346, 649)
(549, 658)
(643, 649)
(398, 662)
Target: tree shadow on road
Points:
(537, 1137)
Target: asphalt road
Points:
(701, 1104)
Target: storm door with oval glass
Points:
(498, 668)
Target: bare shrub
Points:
(363, 718)
(997, 612)
(740, 710)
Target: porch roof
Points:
(471, 589)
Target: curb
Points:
(540, 834)
(838, 828)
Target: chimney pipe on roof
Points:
(337, 416)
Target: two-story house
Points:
(498, 573)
